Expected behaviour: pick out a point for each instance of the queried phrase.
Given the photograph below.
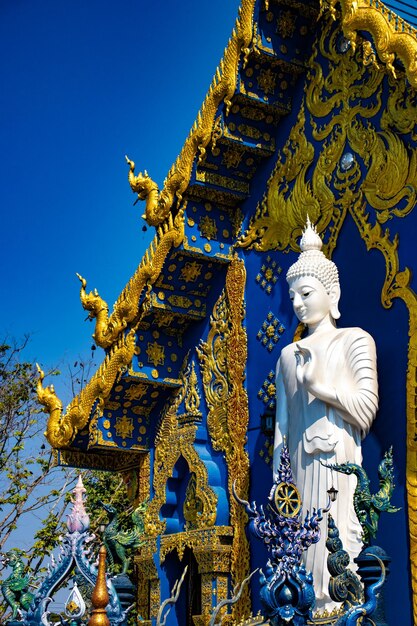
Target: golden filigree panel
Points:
(223, 361)
(175, 438)
(207, 541)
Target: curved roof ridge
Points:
(393, 36)
(222, 88)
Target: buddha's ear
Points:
(334, 295)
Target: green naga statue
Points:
(15, 587)
(368, 507)
(117, 540)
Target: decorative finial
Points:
(310, 240)
(100, 596)
(78, 520)
(312, 261)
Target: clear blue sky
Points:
(82, 83)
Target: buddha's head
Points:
(313, 281)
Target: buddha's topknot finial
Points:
(312, 261)
(310, 240)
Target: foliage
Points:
(30, 480)
(109, 488)
(34, 490)
(32, 486)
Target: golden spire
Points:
(100, 597)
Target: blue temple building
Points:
(313, 109)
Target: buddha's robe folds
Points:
(316, 431)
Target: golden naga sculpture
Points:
(92, 302)
(62, 428)
(125, 311)
(53, 405)
(144, 186)
(222, 89)
(392, 36)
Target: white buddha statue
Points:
(327, 398)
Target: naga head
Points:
(12, 557)
(110, 510)
(47, 395)
(91, 302)
(142, 184)
(386, 467)
(343, 468)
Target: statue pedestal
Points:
(369, 571)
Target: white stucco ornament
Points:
(327, 398)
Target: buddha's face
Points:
(310, 300)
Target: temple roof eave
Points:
(391, 39)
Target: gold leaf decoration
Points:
(393, 37)
(62, 428)
(223, 362)
(170, 233)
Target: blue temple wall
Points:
(362, 275)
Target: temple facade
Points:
(311, 112)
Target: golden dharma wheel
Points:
(287, 500)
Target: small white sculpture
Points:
(327, 398)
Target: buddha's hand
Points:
(306, 368)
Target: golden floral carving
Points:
(207, 227)
(159, 203)
(192, 397)
(223, 361)
(156, 353)
(286, 24)
(232, 158)
(136, 392)
(167, 453)
(62, 428)
(277, 219)
(124, 427)
(180, 301)
(206, 542)
(169, 234)
(191, 271)
(266, 81)
(400, 113)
